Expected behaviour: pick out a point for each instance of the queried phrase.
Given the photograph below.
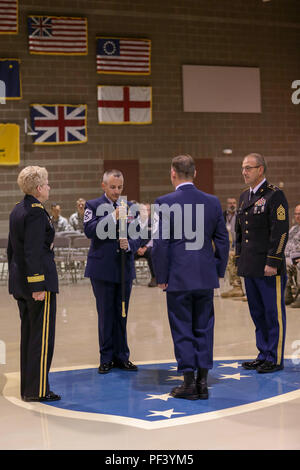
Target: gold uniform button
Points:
(247, 241)
(246, 222)
(247, 231)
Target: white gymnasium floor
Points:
(259, 422)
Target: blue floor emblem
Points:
(142, 398)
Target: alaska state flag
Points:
(10, 82)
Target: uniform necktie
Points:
(251, 195)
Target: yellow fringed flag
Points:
(9, 144)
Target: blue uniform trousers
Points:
(111, 325)
(37, 344)
(191, 317)
(267, 309)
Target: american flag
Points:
(8, 16)
(57, 35)
(59, 124)
(124, 105)
(123, 56)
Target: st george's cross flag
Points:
(10, 81)
(57, 35)
(124, 105)
(123, 56)
(9, 16)
(57, 124)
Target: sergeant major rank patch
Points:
(280, 212)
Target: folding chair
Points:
(78, 257)
(62, 251)
(3, 259)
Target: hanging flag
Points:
(123, 56)
(9, 144)
(8, 16)
(57, 35)
(10, 82)
(57, 124)
(124, 105)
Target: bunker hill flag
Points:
(57, 35)
(8, 16)
(58, 124)
(123, 56)
(10, 82)
(124, 105)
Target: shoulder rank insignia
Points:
(36, 204)
(280, 212)
(273, 187)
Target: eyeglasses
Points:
(248, 168)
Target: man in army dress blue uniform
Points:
(261, 235)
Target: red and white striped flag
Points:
(8, 16)
(123, 56)
(124, 105)
(57, 35)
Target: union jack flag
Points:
(57, 35)
(59, 124)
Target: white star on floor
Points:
(176, 377)
(164, 397)
(235, 365)
(166, 413)
(233, 376)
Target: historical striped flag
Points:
(124, 105)
(123, 56)
(10, 81)
(8, 16)
(57, 124)
(57, 35)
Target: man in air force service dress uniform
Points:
(189, 271)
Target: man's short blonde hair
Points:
(31, 177)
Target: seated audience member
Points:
(234, 280)
(76, 219)
(59, 222)
(292, 254)
(145, 250)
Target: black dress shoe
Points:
(49, 397)
(252, 365)
(268, 366)
(105, 368)
(125, 365)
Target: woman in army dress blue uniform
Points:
(33, 282)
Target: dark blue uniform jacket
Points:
(30, 250)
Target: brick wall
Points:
(214, 32)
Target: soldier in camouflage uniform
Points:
(292, 253)
(59, 222)
(76, 219)
(234, 280)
